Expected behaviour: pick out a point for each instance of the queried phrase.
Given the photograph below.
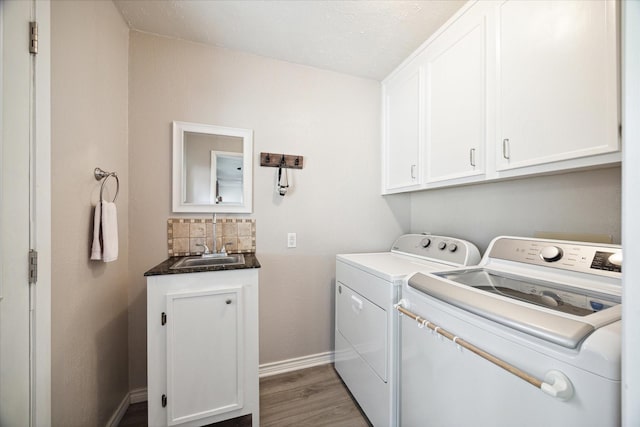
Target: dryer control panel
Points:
(437, 248)
(592, 258)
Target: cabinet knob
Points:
(228, 301)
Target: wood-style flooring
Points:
(308, 397)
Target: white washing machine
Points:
(366, 331)
(529, 337)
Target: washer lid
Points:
(567, 330)
(561, 298)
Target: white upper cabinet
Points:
(455, 115)
(401, 132)
(557, 81)
(504, 89)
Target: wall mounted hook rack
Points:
(289, 161)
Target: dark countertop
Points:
(250, 261)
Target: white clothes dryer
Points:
(366, 324)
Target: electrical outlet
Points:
(291, 240)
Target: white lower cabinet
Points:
(202, 347)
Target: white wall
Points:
(334, 205)
(578, 202)
(89, 67)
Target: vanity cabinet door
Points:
(401, 129)
(557, 81)
(202, 348)
(204, 353)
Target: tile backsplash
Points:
(186, 235)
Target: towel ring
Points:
(104, 175)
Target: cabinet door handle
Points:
(228, 301)
(505, 149)
(472, 157)
(413, 171)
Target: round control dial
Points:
(442, 246)
(551, 253)
(425, 242)
(453, 247)
(616, 259)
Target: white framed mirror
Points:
(212, 168)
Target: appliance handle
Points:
(555, 383)
(356, 304)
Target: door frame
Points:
(42, 221)
(630, 211)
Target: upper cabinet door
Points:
(455, 116)
(401, 129)
(557, 93)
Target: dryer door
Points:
(364, 325)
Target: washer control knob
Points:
(453, 247)
(425, 242)
(442, 246)
(551, 253)
(616, 259)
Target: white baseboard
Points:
(282, 366)
(134, 396)
(138, 395)
(120, 411)
(266, 370)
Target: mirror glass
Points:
(212, 168)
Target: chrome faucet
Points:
(212, 254)
(206, 248)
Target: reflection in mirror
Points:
(212, 168)
(226, 177)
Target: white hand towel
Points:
(109, 232)
(96, 247)
(105, 232)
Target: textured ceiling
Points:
(364, 38)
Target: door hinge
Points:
(33, 266)
(163, 318)
(164, 400)
(33, 37)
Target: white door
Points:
(24, 373)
